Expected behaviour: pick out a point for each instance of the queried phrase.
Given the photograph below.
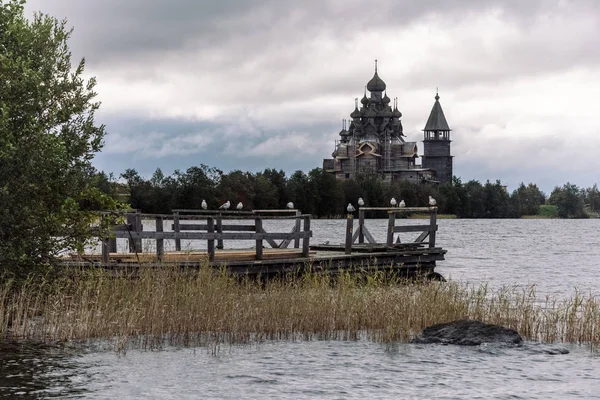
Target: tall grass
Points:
(195, 307)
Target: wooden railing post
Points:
(176, 229)
(138, 229)
(361, 223)
(210, 228)
(134, 224)
(433, 227)
(105, 243)
(297, 226)
(160, 242)
(306, 240)
(259, 241)
(219, 230)
(391, 226)
(349, 228)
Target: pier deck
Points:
(359, 251)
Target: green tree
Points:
(48, 138)
(569, 200)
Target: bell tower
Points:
(436, 143)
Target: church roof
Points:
(437, 120)
(376, 84)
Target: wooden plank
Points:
(214, 235)
(219, 230)
(414, 228)
(259, 242)
(160, 243)
(296, 229)
(390, 230)
(271, 242)
(176, 228)
(286, 242)
(422, 237)
(361, 224)
(401, 209)
(349, 227)
(306, 234)
(224, 227)
(210, 242)
(432, 222)
(368, 235)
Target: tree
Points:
(569, 200)
(48, 138)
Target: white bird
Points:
(225, 206)
(350, 208)
(361, 202)
(239, 206)
(204, 205)
(402, 204)
(393, 202)
(290, 205)
(431, 201)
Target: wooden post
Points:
(176, 228)
(305, 241)
(391, 226)
(160, 243)
(349, 227)
(220, 230)
(432, 226)
(210, 228)
(138, 229)
(105, 244)
(361, 223)
(297, 226)
(259, 242)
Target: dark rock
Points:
(468, 333)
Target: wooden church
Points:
(374, 142)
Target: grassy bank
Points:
(195, 308)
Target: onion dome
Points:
(396, 113)
(386, 99)
(355, 113)
(376, 84)
(364, 100)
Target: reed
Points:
(196, 307)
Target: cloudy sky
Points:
(244, 84)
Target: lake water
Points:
(557, 256)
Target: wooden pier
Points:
(271, 253)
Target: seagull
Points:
(402, 204)
(393, 202)
(361, 202)
(239, 206)
(225, 206)
(204, 205)
(350, 208)
(290, 205)
(431, 201)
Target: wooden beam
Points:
(176, 228)
(414, 228)
(307, 234)
(259, 242)
(349, 227)
(390, 230)
(160, 243)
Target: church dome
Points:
(376, 84)
(364, 100)
(355, 113)
(370, 113)
(385, 113)
(396, 113)
(386, 99)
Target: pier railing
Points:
(212, 227)
(427, 236)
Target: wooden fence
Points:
(212, 227)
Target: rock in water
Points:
(468, 333)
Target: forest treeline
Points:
(320, 194)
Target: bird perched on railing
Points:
(393, 202)
(361, 202)
(239, 206)
(204, 205)
(432, 201)
(290, 205)
(225, 206)
(402, 204)
(350, 208)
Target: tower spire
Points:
(375, 65)
(437, 96)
